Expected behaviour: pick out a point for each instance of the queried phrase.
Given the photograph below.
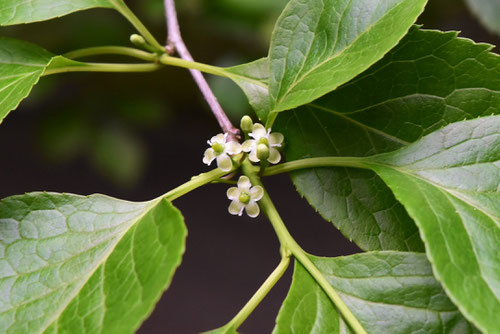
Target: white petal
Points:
(244, 183)
(275, 139)
(248, 145)
(258, 131)
(236, 208)
(253, 156)
(220, 138)
(256, 193)
(233, 193)
(224, 162)
(209, 156)
(252, 209)
(233, 147)
(274, 155)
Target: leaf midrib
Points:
(361, 125)
(369, 28)
(451, 192)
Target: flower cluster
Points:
(262, 147)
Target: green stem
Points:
(259, 295)
(114, 50)
(102, 67)
(288, 243)
(121, 7)
(194, 183)
(215, 70)
(355, 162)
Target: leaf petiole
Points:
(112, 50)
(354, 162)
(102, 67)
(195, 182)
(209, 69)
(264, 289)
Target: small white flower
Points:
(245, 197)
(220, 150)
(261, 136)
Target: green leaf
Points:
(74, 264)
(26, 11)
(429, 80)
(318, 45)
(252, 79)
(488, 12)
(389, 292)
(21, 65)
(449, 181)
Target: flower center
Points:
(244, 198)
(218, 148)
(263, 140)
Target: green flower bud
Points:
(246, 124)
(137, 40)
(262, 152)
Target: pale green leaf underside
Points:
(389, 292)
(257, 94)
(21, 65)
(429, 80)
(488, 12)
(26, 11)
(74, 264)
(318, 45)
(449, 182)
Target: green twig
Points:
(121, 7)
(112, 50)
(258, 296)
(102, 67)
(355, 162)
(288, 243)
(194, 183)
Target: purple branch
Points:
(176, 44)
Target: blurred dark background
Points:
(136, 136)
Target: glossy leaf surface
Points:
(449, 181)
(26, 11)
(389, 292)
(317, 45)
(74, 264)
(21, 65)
(429, 80)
